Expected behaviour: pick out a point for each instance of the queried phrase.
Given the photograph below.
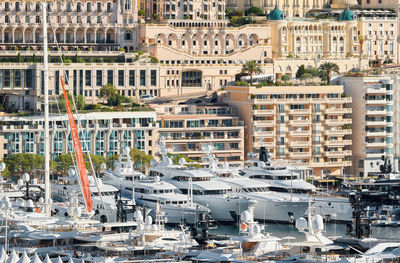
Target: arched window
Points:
(109, 7)
(98, 7)
(78, 7)
(127, 4)
(89, 7)
(128, 36)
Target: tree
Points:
(80, 102)
(111, 160)
(228, 12)
(306, 76)
(254, 11)
(140, 158)
(251, 68)
(64, 162)
(116, 100)
(107, 91)
(361, 42)
(97, 160)
(326, 69)
(141, 12)
(300, 71)
(285, 78)
(24, 163)
(19, 58)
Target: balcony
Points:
(337, 122)
(257, 144)
(342, 132)
(338, 143)
(262, 101)
(376, 144)
(299, 155)
(264, 112)
(264, 133)
(376, 91)
(299, 133)
(376, 123)
(300, 123)
(376, 133)
(300, 144)
(337, 110)
(375, 101)
(335, 154)
(376, 112)
(264, 123)
(300, 112)
(338, 100)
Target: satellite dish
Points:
(182, 161)
(25, 177)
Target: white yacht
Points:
(201, 187)
(270, 206)
(281, 179)
(147, 191)
(103, 194)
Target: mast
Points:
(46, 110)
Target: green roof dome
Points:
(276, 14)
(347, 15)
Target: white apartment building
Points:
(101, 133)
(375, 121)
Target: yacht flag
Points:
(78, 152)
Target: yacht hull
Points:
(332, 209)
(281, 211)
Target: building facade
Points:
(101, 133)
(187, 129)
(309, 125)
(374, 121)
(90, 25)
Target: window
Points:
(99, 78)
(110, 77)
(109, 7)
(131, 78)
(89, 7)
(142, 77)
(88, 78)
(99, 6)
(120, 78)
(191, 79)
(7, 6)
(78, 7)
(153, 77)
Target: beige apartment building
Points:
(187, 129)
(309, 125)
(379, 32)
(375, 121)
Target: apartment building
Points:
(378, 31)
(374, 121)
(183, 9)
(90, 25)
(101, 133)
(309, 125)
(187, 129)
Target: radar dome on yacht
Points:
(170, 162)
(77, 212)
(154, 227)
(153, 163)
(126, 150)
(301, 223)
(2, 167)
(25, 177)
(157, 178)
(225, 165)
(182, 161)
(20, 202)
(149, 220)
(34, 181)
(317, 223)
(71, 172)
(140, 227)
(245, 216)
(257, 229)
(103, 166)
(138, 215)
(20, 182)
(41, 200)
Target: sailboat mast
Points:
(46, 109)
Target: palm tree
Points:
(251, 68)
(326, 69)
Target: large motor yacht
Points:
(202, 188)
(283, 180)
(147, 192)
(270, 206)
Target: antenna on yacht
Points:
(46, 111)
